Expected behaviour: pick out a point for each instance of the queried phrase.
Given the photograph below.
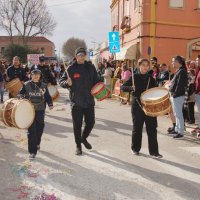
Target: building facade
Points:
(42, 44)
(161, 28)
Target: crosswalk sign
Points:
(114, 47)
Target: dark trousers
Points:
(78, 114)
(191, 111)
(139, 118)
(35, 132)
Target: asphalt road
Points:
(107, 172)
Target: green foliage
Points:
(18, 50)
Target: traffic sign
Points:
(114, 42)
(114, 47)
(114, 37)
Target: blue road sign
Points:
(114, 47)
(114, 37)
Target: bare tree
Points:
(71, 45)
(26, 18)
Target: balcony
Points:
(126, 24)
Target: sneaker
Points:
(157, 155)
(38, 147)
(178, 136)
(32, 156)
(135, 152)
(78, 151)
(87, 144)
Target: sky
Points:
(85, 19)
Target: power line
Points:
(69, 3)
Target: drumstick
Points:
(133, 82)
(66, 68)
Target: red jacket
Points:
(197, 81)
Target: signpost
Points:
(114, 42)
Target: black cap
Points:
(80, 50)
(36, 71)
(41, 58)
(154, 59)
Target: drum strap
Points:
(148, 84)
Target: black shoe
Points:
(178, 136)
(87, 144)
(157, 155)
(78, 151)
(170, 129)
(191, 122)
(32, 156)
(135, 152)
(173, 133)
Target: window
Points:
(198, 4)
(176, 3)
(42, 50)
(127, 8)
(136, 4)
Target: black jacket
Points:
(179, 83)
(162, 77)
(13, 73)
(84, 77)
(141, 83)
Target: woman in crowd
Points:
(177, 91)
(138, 84)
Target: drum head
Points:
(24, 114)
(154, 94)
(52, 90)
(97, 88)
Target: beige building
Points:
(42, 44)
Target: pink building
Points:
(161, 28)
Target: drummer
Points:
(37, 92)
(47, 76)
(16, 71)
(81, 77)
(137, 85)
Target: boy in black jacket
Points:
(37, 92)
(81, 77)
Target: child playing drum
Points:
(37, 92)
(137, 85)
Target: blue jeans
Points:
(197, 99)
(177, 106)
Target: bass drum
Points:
(14, 87)
(18, 113)
(156, 102)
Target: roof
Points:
(30, 39)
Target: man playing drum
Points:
(80, 78)
(137, 85)
(14, 72)
(37, 92)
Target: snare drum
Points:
(100, 92)
(53, 91)
(18, 113)
(156, 101)
(14, 86)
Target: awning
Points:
(129, 52)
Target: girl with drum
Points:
(37, 92)
(137, 84)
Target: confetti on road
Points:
(22, 191)
(45, 196)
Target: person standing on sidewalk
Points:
(177, 91)
(37, 92)
(197, 94)
(137, 85)
(80, 77)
